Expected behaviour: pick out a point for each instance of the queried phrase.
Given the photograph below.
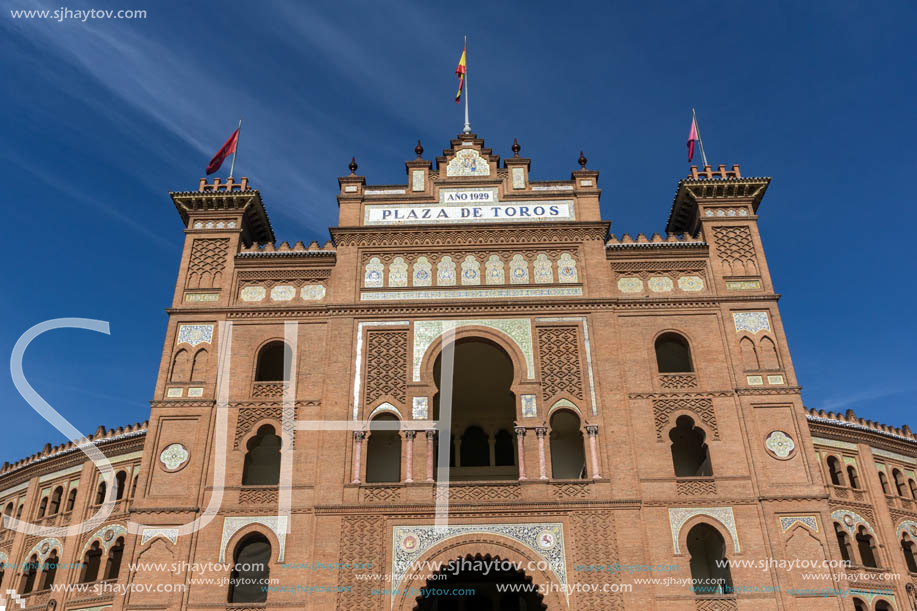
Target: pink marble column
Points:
(409, 467)
(542, 466)
(593, 432)
(520, 442)
(358, 437)
(431, 439)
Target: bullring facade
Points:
(613, 401)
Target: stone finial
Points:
(516, 148)
(418, 149)
(353, 166)
(582, 160)
(850, 415)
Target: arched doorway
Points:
(483, 411)
(479, 576)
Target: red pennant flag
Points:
(692, 139)
(223, 153)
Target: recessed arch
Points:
(514, 336)
(261, 465)
(673, 353)
(273, 361)
(251, 568)
(385, 407)
(565, 404)
(682, 519)
(383, 450)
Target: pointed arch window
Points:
(708, 558)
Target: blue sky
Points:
(103, 118)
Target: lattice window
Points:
(208, 259)
(560, 364)
(386, 365)
(735, 249)
(700, 406)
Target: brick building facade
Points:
(615, 400)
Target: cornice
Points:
(459, 235)
(783, 390)
(695, 394)
(472, 509)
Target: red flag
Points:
(692, 139)
(460, 73)
(223, 153)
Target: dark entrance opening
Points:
(479, 576)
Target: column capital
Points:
(359, 435)
(592, 429)
(541, 431)
(431, 434)
(520, 431)
(410, 433)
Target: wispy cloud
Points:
(867, 395)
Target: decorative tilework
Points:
(679, 515)
(283, 292)
(445, 271)
(566, 268)
(518, 270)
(350, 189)
(201, 297)
(420, 408)
(174, 456)
(518, 329)
(849, 520)
(630, 285)
(312, 292)
(471, 271)
(545, 540)
(106, 536)
(909, 526)
(174, 393)
(544, 269)
(780, 444)
(787, 522)
(585, 183)
(660, 284)
(398, 272)
(467, 162)
(518, 178)
(775, 379)
(754, 380)
(232, 525)
(45, 547)
(372, 275)
(743, 285)
(253, 293)
(529, 406)
(196, 391)
(148, 534)
(423, 272)
(417, 180)
(195, 334)
(494, 270)
(486, 293)
(691, 283)
(751, 321)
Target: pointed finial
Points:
(516, 148)
(353, 166)
(582, 160)
(418, 149)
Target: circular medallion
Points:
(109, 535)
(546, 539)
(848, 520)
(780, 445)
(174, 457)
(45, 548)
(409, 542)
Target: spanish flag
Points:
(460, 73)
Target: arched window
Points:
(274, 361)
(900, 486)
(883, 606)
(180, 366)
(8, 511)
(113, 564)
(120, 482)
(907, 547)
(49, 570)
(708, 559)
(251, 570)
(913, 487)
(262, 461)
(568, 456)
(883, 479)
(19, 511)
(100, 493)
(859, 605)
(91, 562)
(55, 500)
(475, 448)
(383, 450)
(834, 471)
(673, 355)
(29, 575)
(43, 507)
(199, 366)
(769, 358)
(852, 477)
(134, 486)
(504, 450)
(71, 500)
(866, 545)
(689, 452)
(843, 543)
(749, 354)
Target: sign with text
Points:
(468, 206)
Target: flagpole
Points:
(700, 141)
(234, 150)
(467, 128)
